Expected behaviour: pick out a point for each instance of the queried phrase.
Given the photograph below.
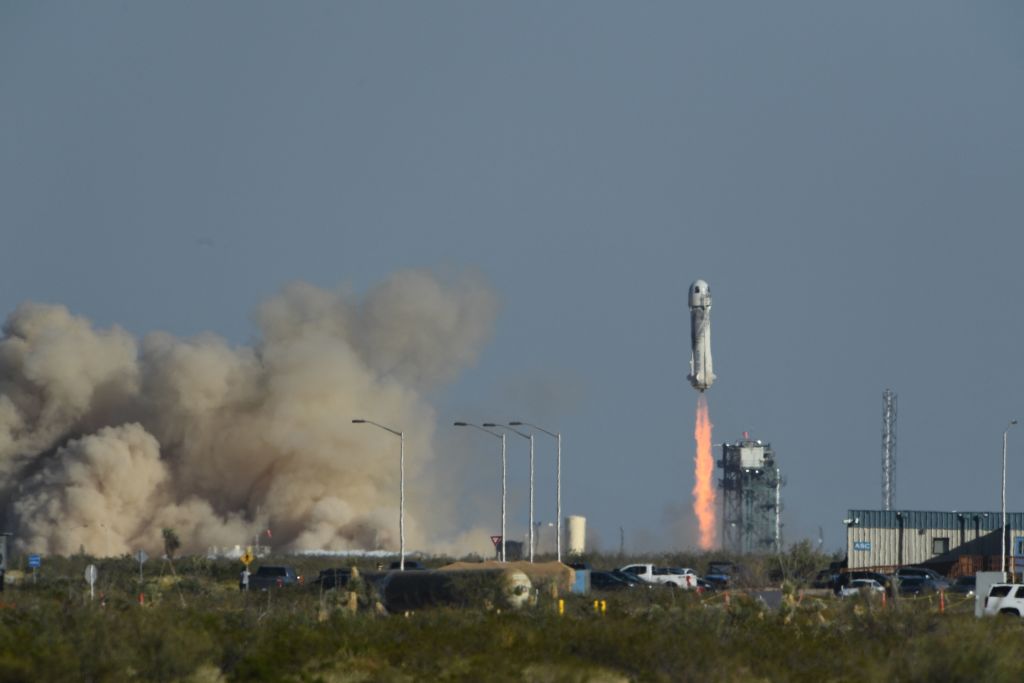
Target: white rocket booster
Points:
(700, 375)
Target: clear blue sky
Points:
(848, 177)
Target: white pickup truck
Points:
(674, 577)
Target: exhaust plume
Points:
(704, 470)
(105, 440)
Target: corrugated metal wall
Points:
(885, 538)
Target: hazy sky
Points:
(848, 177)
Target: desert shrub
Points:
(51, 631)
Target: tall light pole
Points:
(558, 482)
(401, 487)
(530, 437)
(504, 473)
(1002, 531)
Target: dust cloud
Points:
(106, 439)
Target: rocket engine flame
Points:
(704, 469)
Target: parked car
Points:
(703, 585)
(843, 580)
(965, 585)
(720, 572)
(719, 581)
(918, 585)
(681, 571)
(680, 577)
(631, 579)
(857, 586)
(333, 578)
(1005, 598)
(610, 581)
(877, 576)
(662, 575)
(923, 572)
(271, 576)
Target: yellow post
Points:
(604, 606)
(597, 606)
(561, 607)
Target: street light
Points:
(558, 482)
(1002, 566)
(401, 487)
(504, 471)
(530, 438)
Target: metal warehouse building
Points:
(951, 542)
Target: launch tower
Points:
(751, 486)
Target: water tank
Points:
(577, 528)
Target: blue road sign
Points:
(34, 561)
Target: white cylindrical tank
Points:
(577, 528)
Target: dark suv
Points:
(937, 579)
(269, 576)
(334, 578)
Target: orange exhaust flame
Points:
(704, 470)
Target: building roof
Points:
(928, 519)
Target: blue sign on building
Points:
(34, 561)
(862, 545)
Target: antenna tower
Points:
(888, 448)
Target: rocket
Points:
(701, 376)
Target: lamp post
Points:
(558, 482)
(504, 472)
(1002, 531)
(530, 438)
(401, 487)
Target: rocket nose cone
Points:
(699, 287)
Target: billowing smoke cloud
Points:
(104, 440)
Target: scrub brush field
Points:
(195, 625)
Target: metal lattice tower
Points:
(751, 497)
(888, 448)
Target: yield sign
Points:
(495, 540)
